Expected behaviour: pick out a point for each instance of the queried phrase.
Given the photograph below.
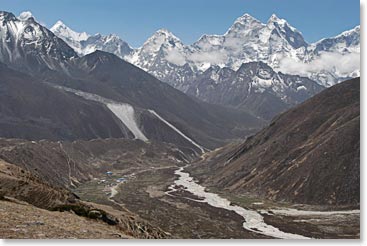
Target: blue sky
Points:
(136, 20)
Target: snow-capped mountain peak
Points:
(286, 31)
(71, 37)
(248, 39)
(162, 37)
(276, 43)
(58, 25)
(244, 23)
(346, 41)
(23, 38)
(274, 18)
(164, 56)
(112, 36)
(60, 29)
(6, 16)
(246, 18)
(160, 44)
(164, 31)
(351, 31)
(84, 44)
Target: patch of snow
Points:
(214, 76)
(302, 87)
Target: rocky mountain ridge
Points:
(254, 87)
(309, 154)
(275, 42)
(152, 104)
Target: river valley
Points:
(168, 197)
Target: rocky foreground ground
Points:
(23, 221)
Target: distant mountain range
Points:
(254, 87)
(275, 43)
(137, 104)
(246, 78)
(84, 43)
(31, 47)
(76, 108)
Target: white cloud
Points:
(25, 15)
(342, 64)
(28, 14)
(176, 58)
(213, 57)
(234, 44)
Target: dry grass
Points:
(24, 221)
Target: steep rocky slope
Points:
(108, 76)
(254, 87)
(32, 110)
(23, 185)
(309, 154)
